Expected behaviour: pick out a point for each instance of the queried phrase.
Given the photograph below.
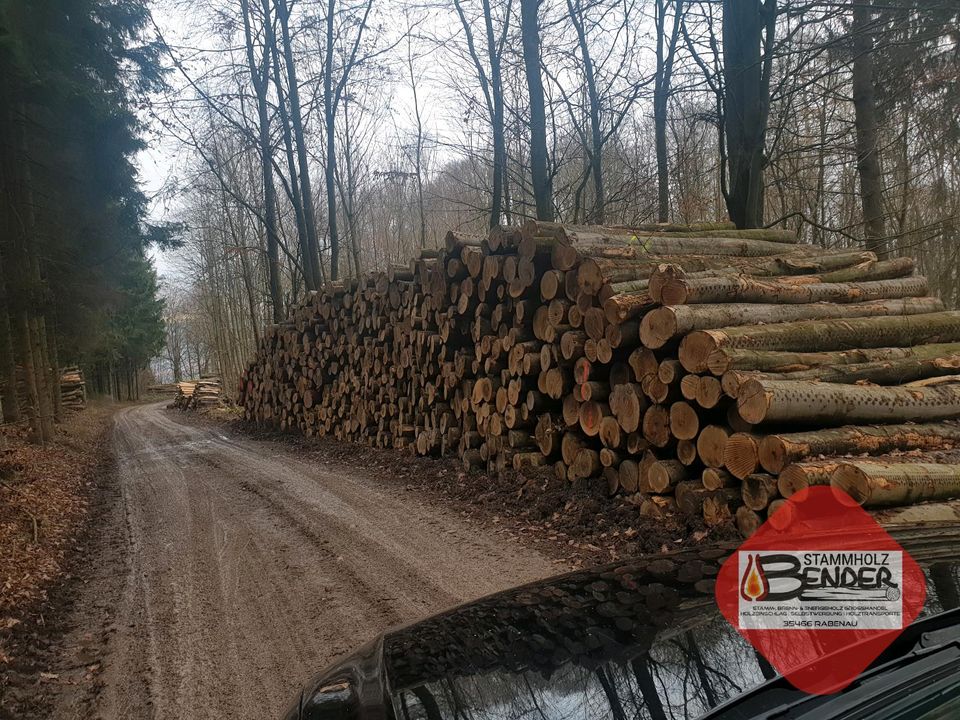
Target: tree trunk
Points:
(870, 332)
(258, 79)
(879, 484)
(542, 183)
(31, 293)
(726, 360)
(747, 24)
(661, 325)
(747, 289)
(865, 123)
(52, 354)
(8, 366)
(418, 151)
(811, 402)
(648, 688)
(330, 169)
(296, 116)
(26, 356)
(310, 278)
(661, 96)
(350, 192)
(499, 135)
(778, 451)
(595, 151)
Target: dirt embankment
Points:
(45, 501)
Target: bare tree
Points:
(488, 69)
(333, 89)
(311, 261)
(865, 109)
(666, 52)
(749, 27)
(259, 76)
(542, 182)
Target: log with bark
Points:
(663, 324)
(725, 360)
(877, 484)
(866, 332)
(746, 289)
(778, 451)
(827, 404)
(881, 372)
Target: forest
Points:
(321, 139)
(76, 282)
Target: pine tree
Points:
(72, 215)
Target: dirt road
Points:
(241, 569)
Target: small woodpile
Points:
(73, 388)
(676, 363)
(197, 394)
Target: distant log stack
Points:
(161, 391)
(73, 388)
(674, 364)
(184, 395)
(197, 394)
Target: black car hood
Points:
(640, 638)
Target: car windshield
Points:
(682, 676)
(700, 666)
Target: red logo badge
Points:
(820, 590)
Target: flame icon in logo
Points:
(754, 585)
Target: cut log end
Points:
(711, 445)
(696, 349)
(741, 455)
(684, 421)
(658, 327)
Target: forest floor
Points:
(220, 569)
(45, 495)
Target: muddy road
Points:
(234, 570)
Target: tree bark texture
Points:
(778, 451)
(828, 404)
(869, 332)
(661, 325)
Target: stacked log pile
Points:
(197, 394)
(794, 361)
(73, 388)
(161, 391)
(184, 394)
(666, 362)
